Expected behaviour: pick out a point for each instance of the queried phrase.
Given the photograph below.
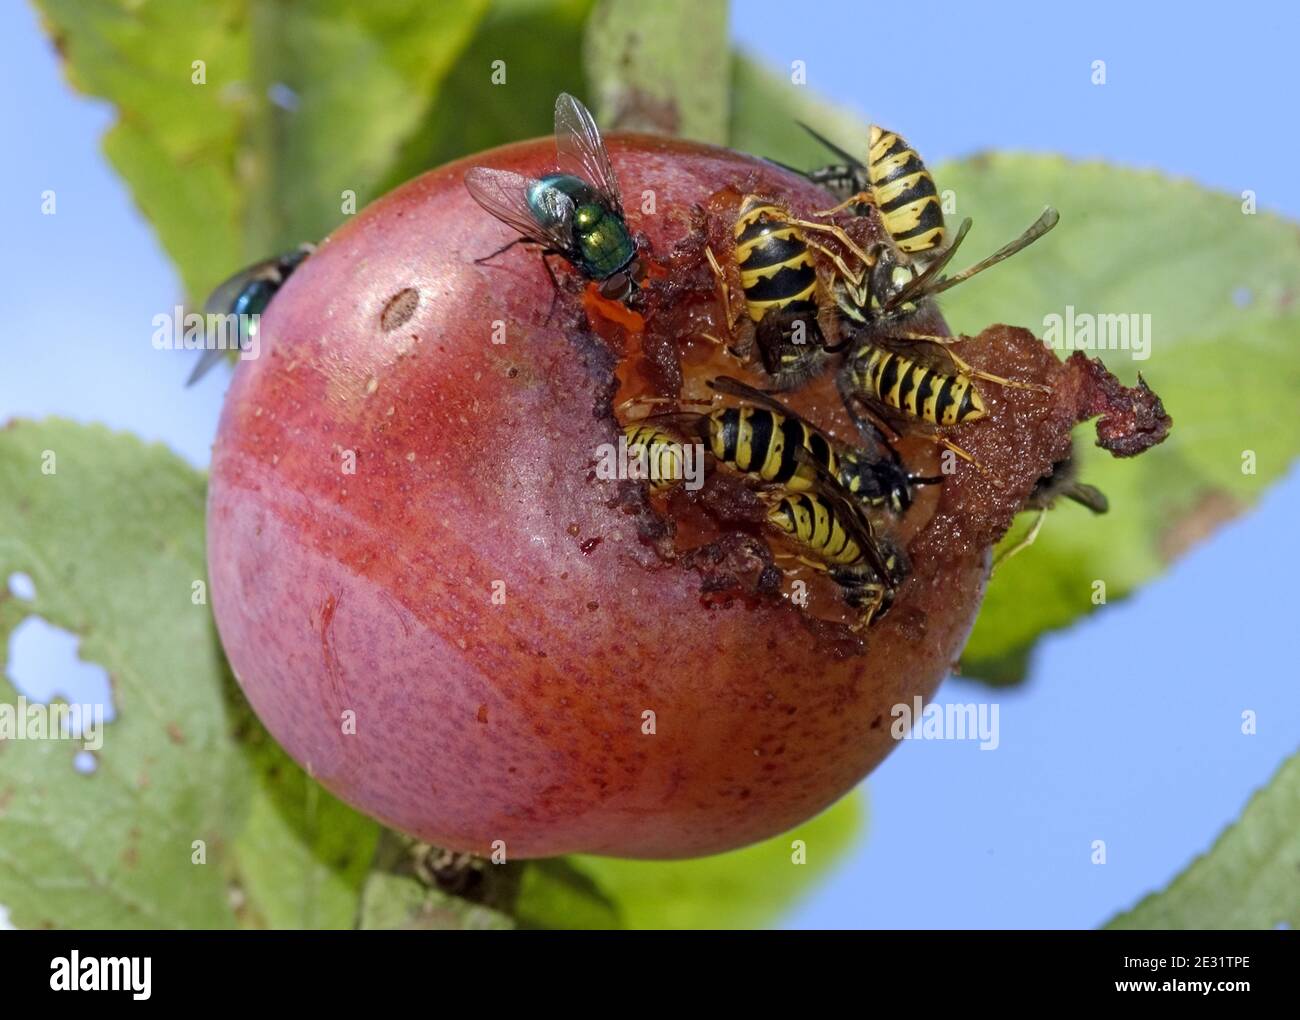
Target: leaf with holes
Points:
(108, 533)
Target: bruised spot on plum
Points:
(401, 306)
(589, 545)
(482, 714)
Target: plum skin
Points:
(371, 592)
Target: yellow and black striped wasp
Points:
(761, 438)
(881, 381)
(576, 212)
(767, 430)
(897, 184)
(660, 449)
(831, 536)
(816, 492)
(773, 252)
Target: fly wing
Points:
(219, 302)
(207, 361)
(505, 195)
(581, 152)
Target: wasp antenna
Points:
(1045, 222)
(851, 160)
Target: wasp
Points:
(1062, 481)
(576, 212)
(834, 539)
(762, 438)
(816, 491)
(874, 476)
(247, 294)
(897, 385)
(896, 182)
(774, 256)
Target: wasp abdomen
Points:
(811, 523)
(662, 452)
(756, 441)
(905, 193)
(915, 389)
(776, 268)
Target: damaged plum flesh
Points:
(440, 610)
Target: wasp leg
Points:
(724, 292)
(864, 197)
(865, 420)
(868, 599)
(852, 280)
(862, 414)
(836, 232)
(947, 342)
(644, 401)
(1030, 538)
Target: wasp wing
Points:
(848, 512)
(505, 195)
(735, 388)
(581, 152)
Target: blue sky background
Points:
(1129, 727)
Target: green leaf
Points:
(1249, 877)
(399, 901)
(112, 538)
(302, 855)
(556, 894)
(1135, 242)
(415, 885)
(741, 889)
(298, 103)
(661, 68)
(537, 43)
(113, 541)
